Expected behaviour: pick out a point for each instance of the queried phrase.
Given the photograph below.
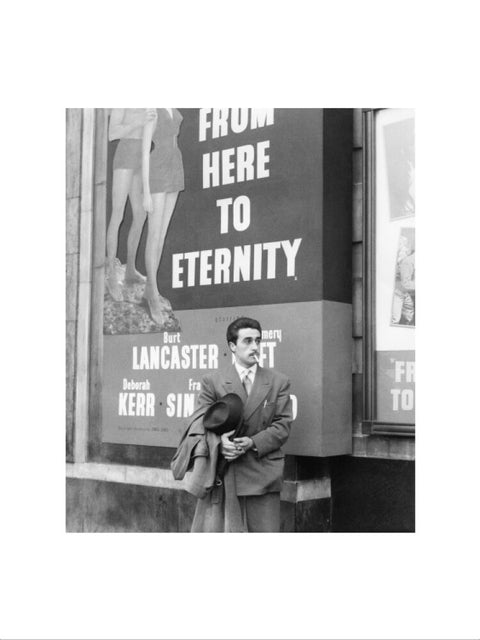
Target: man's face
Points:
(247, 347)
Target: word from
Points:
(403, 399)
(216, 123)
(404, 371)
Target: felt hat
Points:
(224, 415)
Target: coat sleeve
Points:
(276, 434)
(188, 445)
(207, 393)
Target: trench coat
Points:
(196, 457)
(196, 461)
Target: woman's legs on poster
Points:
(132, 276)
(122, 179)
(158, 223)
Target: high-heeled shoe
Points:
(156, 309)
(166, 305)
(135, 278)
(166, 302)
(114, 288)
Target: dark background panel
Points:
(372, 495)
(337, 224)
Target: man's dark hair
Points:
(241, 323)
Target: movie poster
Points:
(234, 201)
(395, 267)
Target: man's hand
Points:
(244, 443)
(229, 449)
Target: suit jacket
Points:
(267, 416)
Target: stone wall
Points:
(73, 186)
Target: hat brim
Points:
(224, 415)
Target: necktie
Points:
(247, 383)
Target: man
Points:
(256, 459)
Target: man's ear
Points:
(232, 346)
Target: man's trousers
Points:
(261, 514)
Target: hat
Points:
(224, 415)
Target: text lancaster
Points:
(187, 356)
(242, 263)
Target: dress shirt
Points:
(252, 372)
(243, 370)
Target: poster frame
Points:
(370, 424)
(337, 144)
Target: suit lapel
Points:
(232, 384)
(261, 387)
